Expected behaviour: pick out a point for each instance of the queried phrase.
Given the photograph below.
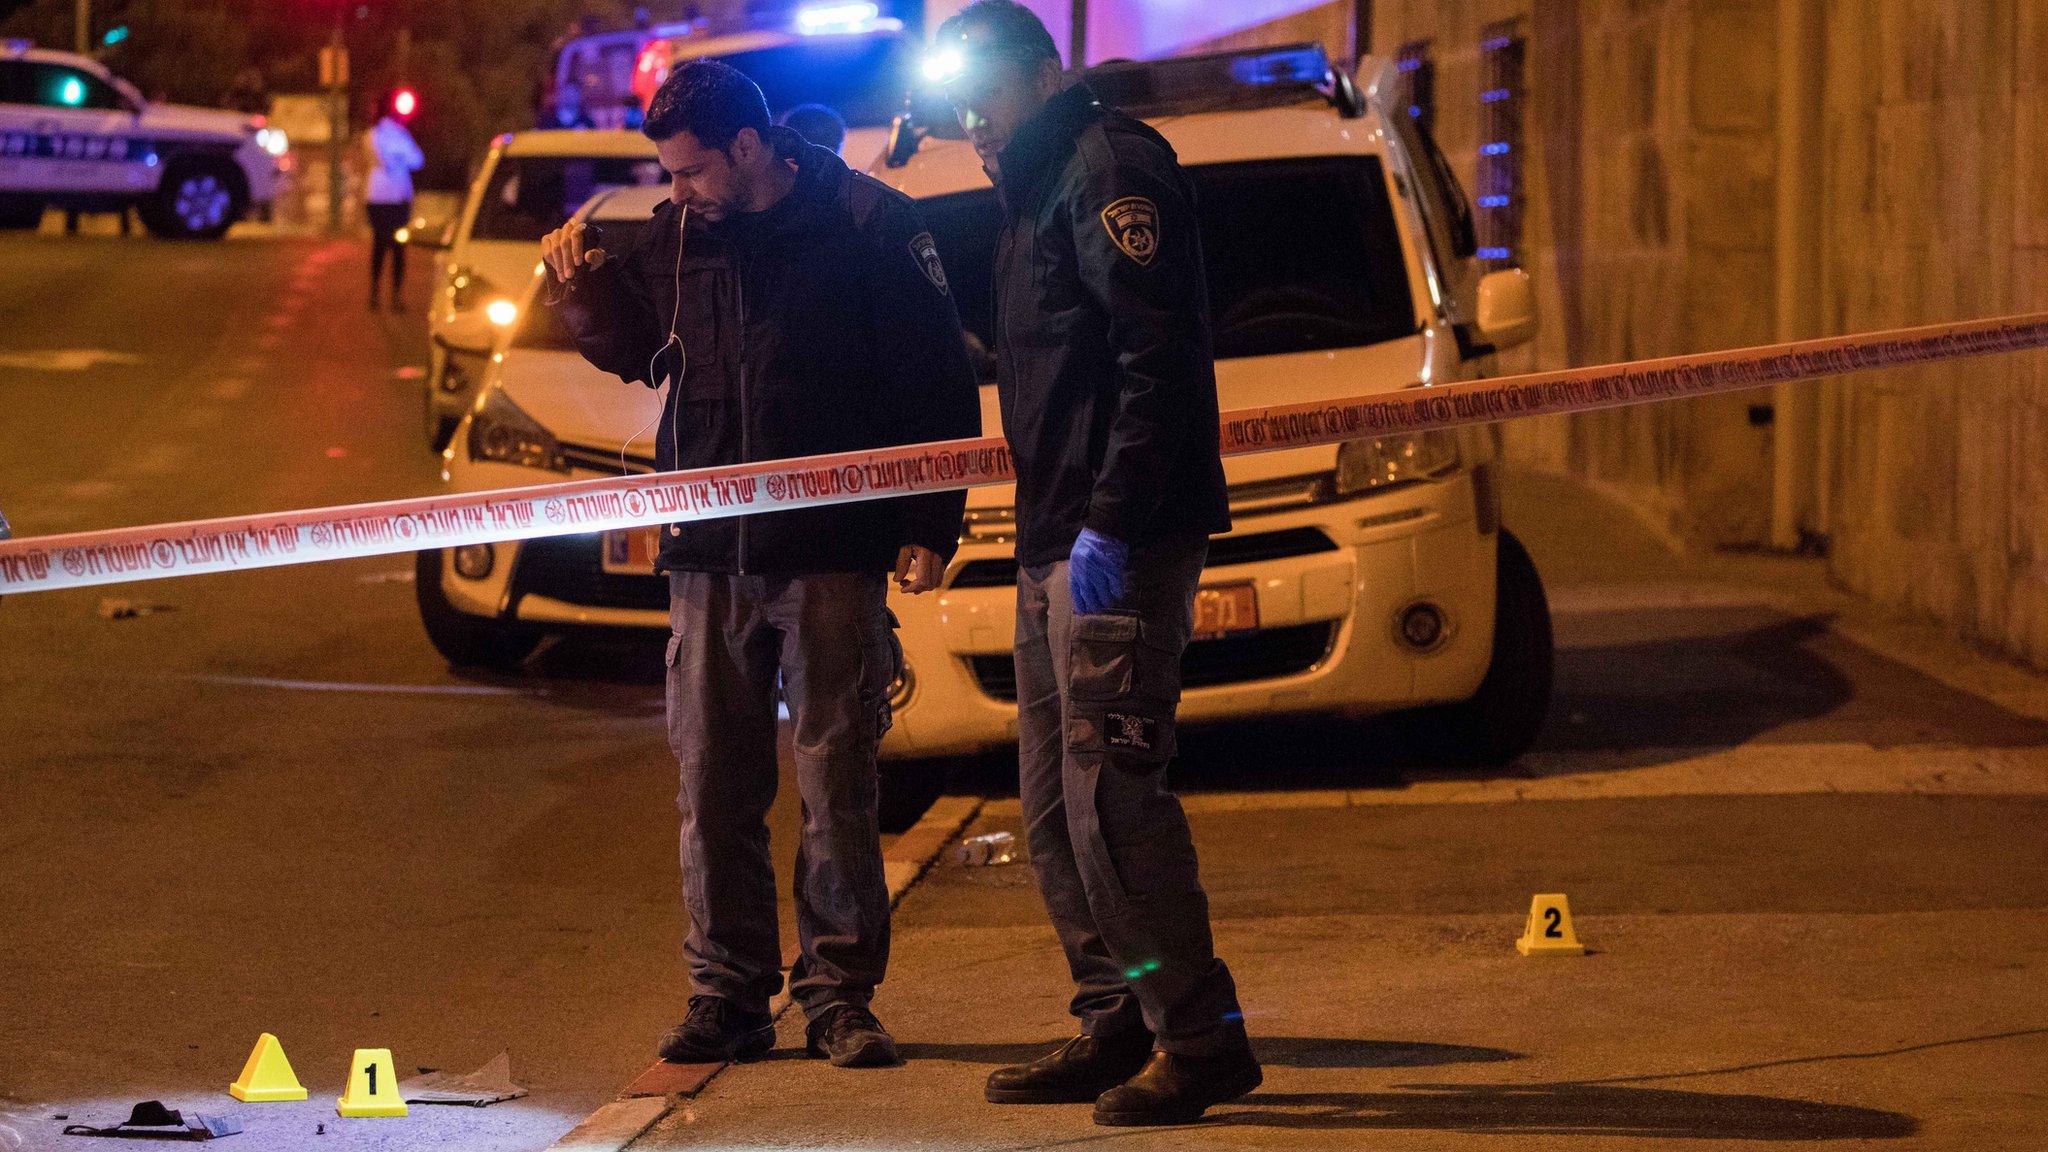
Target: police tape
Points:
(237, 543)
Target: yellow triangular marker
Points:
(1549, 932)
(372, 1086)
(267, 1075)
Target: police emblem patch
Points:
(1133, 222)
(1126, 731)
(926, 251)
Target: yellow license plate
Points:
(1226, 609)
(631, 551)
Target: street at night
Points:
(1283, 574)
(1802, 845)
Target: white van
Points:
(1368, 578)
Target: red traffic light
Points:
(404, 102)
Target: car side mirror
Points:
(469, 331)
(1506, 312)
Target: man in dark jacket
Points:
(793, 307)
(1109, 403)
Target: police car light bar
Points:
(828, 19)
(1244, 78)
(16, 48)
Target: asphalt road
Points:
(267, 804)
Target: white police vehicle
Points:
(1371, 577)
(528, 184)
(74, 135)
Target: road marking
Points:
(377, 689)
(66, 359)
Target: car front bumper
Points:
(1333, 582)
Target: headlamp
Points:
(944, 65)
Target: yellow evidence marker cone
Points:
(1549, 932)
(372, 1086)
(267, 1075)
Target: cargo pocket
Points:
(882, 668)
(1120, 702)
(675, 647)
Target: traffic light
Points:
(405, 102)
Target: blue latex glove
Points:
(1095, 572)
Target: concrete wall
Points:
(1936, 207)
(1684, 196)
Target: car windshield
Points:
(1302, 255)
(531, 196)
(543, 328)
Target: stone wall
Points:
(1936, 207)
(1653, 168)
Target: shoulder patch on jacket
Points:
(925, 251)
(1133, 223)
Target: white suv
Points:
(527, 185)
(1369, 578)
(74, 135)
(1375, 577)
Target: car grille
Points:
(1247, 549)
(1267, 654)
(571, 569)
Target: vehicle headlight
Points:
(500, 431)
(1363, 465)
(466, 289)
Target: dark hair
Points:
(1007, 29)
(818, 124)
(709, 100)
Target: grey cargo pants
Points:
(1114, 860)
(828, 636)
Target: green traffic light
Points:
(115, 35)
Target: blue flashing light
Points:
(1496, 253)
(115, 35)
(1497, 148)
(1295, 66)
(827, 19)
(1493, 201)
(1410, 64)
(1493, 94)
(1495, 44)
(1415, 111)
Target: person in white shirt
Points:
(392, 156)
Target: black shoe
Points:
(717, 1030)
(1074, 1073)
(1175, 1089)
(850, 1037)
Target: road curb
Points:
(654, 1093)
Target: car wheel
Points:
(198, 200)
(20, 212)
(1503, 718)
(467, 641)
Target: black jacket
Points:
(823, 324)
(1102, 335)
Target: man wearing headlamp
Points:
(1109, 403)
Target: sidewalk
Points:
(1802, 844)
